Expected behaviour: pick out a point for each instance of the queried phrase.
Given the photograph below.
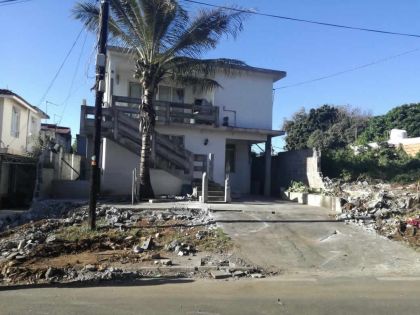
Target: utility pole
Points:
(100, 89)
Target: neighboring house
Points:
(20, 123)
(196, 131)
(398, 137)
(57, 134)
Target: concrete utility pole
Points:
(100, 89)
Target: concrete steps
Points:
(216, 192)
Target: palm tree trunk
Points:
(146, 128)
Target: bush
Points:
(296, 186)
(385, 163)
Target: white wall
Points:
(117, 167)
(250, 95)
(217, 137)
(23, 143)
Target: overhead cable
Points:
(248, 11)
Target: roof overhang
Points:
(275, 74)
(25, 104)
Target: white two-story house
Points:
(20, 124)
(195, 131)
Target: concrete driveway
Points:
(302, 240)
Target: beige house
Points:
(20, 123)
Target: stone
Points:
(200, 235)
(21, 243)
(51, 239)
(166, 262)
(257, 275)
(51, 273)
(220, 274)
(238, 273)
(90, 267)
(12, 256)
(138, 249)
(147, 244)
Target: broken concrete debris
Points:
(51, 243)
(384, 208)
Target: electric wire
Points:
(304, 20)
(76, 70)
(11, 2)
(61, 67)
(366, 65)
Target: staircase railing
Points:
(121, 124)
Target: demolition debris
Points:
(52, 243)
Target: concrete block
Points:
(219, 274)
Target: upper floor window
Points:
(170, 94)
(165, 93)
(14, 130)
(135, 90)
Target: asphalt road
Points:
(302, 240)
(210, 297)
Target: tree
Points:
(326, 127)
(405, 117)
(166, 44)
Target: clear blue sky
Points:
(36, 35)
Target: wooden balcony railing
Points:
(172, 112)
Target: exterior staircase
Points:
(121, 125)
(216, 192)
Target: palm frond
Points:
(205, 67)
(197, 83)
(205, 31)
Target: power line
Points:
(53, 80)
(10, 2)
(349, 70)
(73, 79)
(61, 67)
(305, 21)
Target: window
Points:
(14, 132)
(165, 93)
(170, 94)
(135, 90)
(178, 95)
(230, 158)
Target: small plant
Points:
(296, 186)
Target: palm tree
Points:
(166, 44)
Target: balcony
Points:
(171, 112)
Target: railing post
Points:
(210, 166)
(228, 197)
(154, 149)
(216, 116)
(204, 188)
(167, 113)
(115, 119)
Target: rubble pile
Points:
(391, 210)
(52, 243)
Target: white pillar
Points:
(228, 198)
(204, 188)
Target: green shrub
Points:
(296, 186)
(384, 163)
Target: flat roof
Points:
(277, 74)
